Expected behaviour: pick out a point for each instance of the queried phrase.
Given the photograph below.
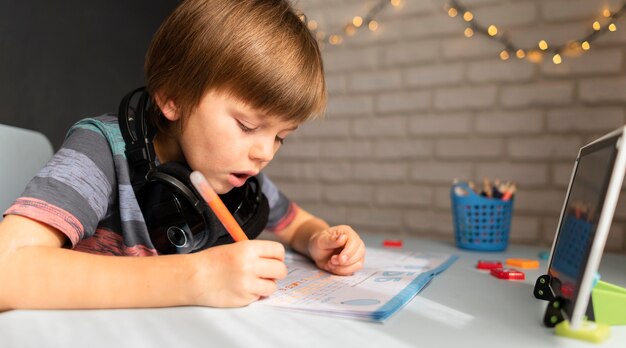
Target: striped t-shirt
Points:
(85, 192)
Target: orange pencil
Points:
(213, 200)
(509, 192)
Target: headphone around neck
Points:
(178, 219)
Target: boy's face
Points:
(229, 141)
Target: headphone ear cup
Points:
(176, 217)
(256, 226)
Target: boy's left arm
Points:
(336, 249)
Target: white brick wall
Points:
(415, 105)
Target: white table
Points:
(462, 307)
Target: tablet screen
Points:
(580, 219)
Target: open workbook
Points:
(387, 282)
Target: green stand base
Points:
(609, 304)
(590, 331)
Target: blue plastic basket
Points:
(480, 223)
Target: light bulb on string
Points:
(520, 53)
(585, 45)
(468, 16)
(606, 13)
(534, 56)
(357, 21)
(372, 25)
(350, 30)
(468, 32)
(492, 30)
(396, 3)
(556, 59)
(312, 25)
(335, 39)
(543, 45)
(596, 26)
(504, 55)
(612, 27)
(452, 12)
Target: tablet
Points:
(585, 221)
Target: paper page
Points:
(387, 282)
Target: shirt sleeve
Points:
(282, 210)
(72, 191)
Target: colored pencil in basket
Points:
(510, 192)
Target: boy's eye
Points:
(245, 128)
(280, 140)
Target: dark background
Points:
(61, 61)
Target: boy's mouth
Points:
(238, 179)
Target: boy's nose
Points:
(263, 151)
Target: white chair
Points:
(22, 153)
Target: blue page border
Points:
(404, 296)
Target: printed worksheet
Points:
(388, 281)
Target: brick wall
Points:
(416, 104)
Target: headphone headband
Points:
(138, 137)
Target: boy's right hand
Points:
(237, 274)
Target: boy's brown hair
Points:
(258, 51)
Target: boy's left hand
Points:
(338, 250)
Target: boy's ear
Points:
(168, 107)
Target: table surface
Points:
(461, 306)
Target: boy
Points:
(231, 80)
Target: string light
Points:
(357, 22)
(585, 45)
(596, 26)
(335, 39)
(534, 56)
(350, 30)
(372, 25)
(454, 7)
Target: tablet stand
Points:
(607, 304)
